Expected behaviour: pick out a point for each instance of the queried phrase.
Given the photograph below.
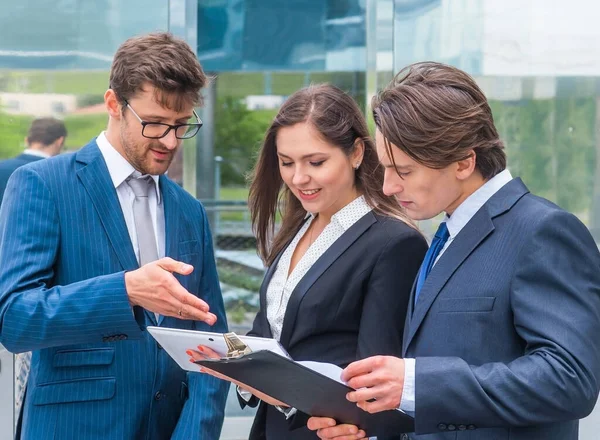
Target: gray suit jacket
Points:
(506, 332)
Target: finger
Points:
(195, 356)
(171, 265)
(208, 352)
(186, 298)
(194, 315)
(376, 406)
(357, 436)
(364, 394)
(357, 368)
(340, 432)
(365, 380)
(315, 423)
(185, 311)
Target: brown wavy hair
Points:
(166, 62)
(339, 121)
(438, 115)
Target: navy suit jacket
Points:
(96, 373)
(350, 305)
(506, 330)
(8, 166)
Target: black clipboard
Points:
(307, 390)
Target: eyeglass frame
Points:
(170, 127)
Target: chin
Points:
(156, 169)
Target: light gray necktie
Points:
(144, 229)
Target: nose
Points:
(300, 177)
(391, 186)
(170, 141)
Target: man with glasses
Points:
(105, 245)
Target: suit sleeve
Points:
(203, 412)
(387, 295)
(35, 313)
(555, 300)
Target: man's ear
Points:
(466, 167)
(113, 105)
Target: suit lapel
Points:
(480, 226)
(409, 313)
(317, 269)
(172, 222)
(94, 176)
(468, 239)
(265, 285)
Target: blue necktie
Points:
(440, 239)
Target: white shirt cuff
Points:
(407, 403)
(287, 411)
(246, 395)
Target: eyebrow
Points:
(306, 156)
(399, 167)
(162, 119)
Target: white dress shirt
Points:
(37, 153)
(455, 223)
(120, 169)
(281, 285)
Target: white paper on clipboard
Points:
(177, 341)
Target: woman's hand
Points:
(203, 352)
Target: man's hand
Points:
(327, 429)
(204, 352)
(378, 377)
(154, 288)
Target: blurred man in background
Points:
(45, 139)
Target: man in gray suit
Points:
(502, 338)
(46, 138)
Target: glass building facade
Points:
(537, 61)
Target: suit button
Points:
(442, 427)
(404, 437)
(471, 427)
(159, 346)
(462, 427)
(104, 339)
(158, 395)
(451, 427)
(122, 337)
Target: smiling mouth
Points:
(309, 192)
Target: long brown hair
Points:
(437, 115)
(339, 121)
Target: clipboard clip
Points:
(235, 346)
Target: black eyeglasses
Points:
(157, 130)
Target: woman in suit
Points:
(342, 263)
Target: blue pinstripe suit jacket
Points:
(96, 374)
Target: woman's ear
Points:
(358, 153)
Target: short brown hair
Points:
(437, 115)
(339, 121)
(162, 60)
(46, 131)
